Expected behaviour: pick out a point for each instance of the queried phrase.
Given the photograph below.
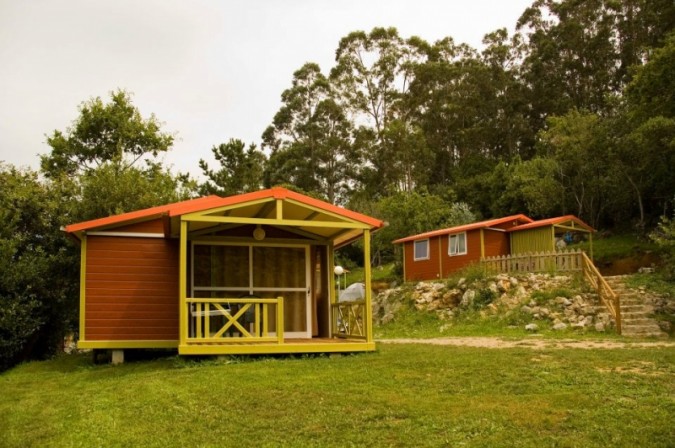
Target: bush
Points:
(664, 237)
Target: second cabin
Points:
(439, 253)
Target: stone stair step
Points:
(633, 308)
(634, 315)
(637, 322)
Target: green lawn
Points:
(402, 395)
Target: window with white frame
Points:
(457, 244)
(422, 250)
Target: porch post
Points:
(331, 286)
(366, 270)
(182, 284)
(83, 286)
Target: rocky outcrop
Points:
(499, 294)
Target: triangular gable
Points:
(568, 221)
(259, 205)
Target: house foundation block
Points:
(117, 356)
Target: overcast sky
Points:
(209, 70)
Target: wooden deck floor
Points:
(313, 345)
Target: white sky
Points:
(209, 70)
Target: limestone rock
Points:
(531, 327)
(560, 326)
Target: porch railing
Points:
(230, 320)
(349, 319)
(563, 261)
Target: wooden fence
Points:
(563, 261)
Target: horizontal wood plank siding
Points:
(131, 288)
(454, 263)
(421, 269)
(496, 243)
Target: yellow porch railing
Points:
(234, 320)
(349, 319)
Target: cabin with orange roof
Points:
(439, 253)
(245, 274)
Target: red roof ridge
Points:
(465, 227)
(552, 221)
(214, 201)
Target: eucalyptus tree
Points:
(371, 77)
(241, 169)
(580, 54)
(310, 139)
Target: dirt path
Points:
(533, 343)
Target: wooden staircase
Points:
(635, 313)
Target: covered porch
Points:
(256, 276)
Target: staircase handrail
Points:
(607, 296)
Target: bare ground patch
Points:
(536, 344)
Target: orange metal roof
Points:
(208, 202)
(465, 227)
(552, 222)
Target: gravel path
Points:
(533, 343)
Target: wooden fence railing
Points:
(563, 261)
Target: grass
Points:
(411, 323)
(616, 246)
(402, 395)
(384, 273)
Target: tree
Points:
(109, 190)
(581, 146)
(531, 187)
(310, 139)
(241, 170)
(410, 213)
(113, 132)
(37, 297)
(373, 72)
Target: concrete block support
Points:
(117, 356)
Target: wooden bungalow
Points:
(437, 254)
(244, 274)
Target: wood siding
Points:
(422, 269)
(454, 263)
(131, 289)
(539, 239)
(496, 243)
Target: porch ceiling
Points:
(305, 220)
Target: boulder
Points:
(468, 297)
(531, 327)
(560, 326)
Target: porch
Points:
(256, 326)
(256, 276)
